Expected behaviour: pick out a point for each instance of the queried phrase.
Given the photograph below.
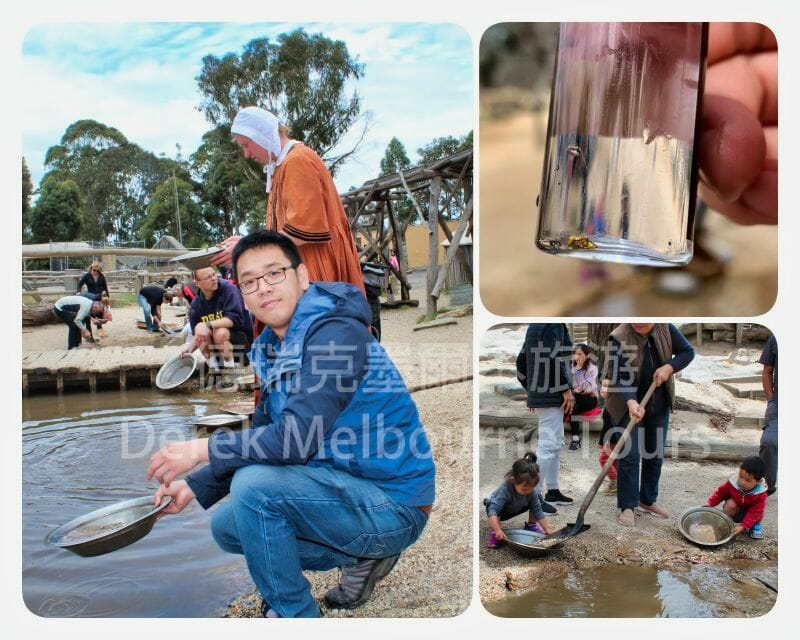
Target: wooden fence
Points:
(46, 285)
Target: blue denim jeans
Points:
(286, 519)
(645, 446)
(768, 447)
(148, 316)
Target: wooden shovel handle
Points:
(613, 455)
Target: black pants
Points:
(375, 307)
(67, 313)
(583, 403)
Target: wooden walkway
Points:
(90, 369)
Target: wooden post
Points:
(433, 244)
(699, 334)
(153, 373)
(467, 197)
(379, 217)
(59, 383)
(123, 378)
(93, 382)
(452, 249)
(400, 248)
(739, 330)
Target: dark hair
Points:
(194, 273)
(525, 470)
(587, 352)
(754, 466)
(265, 239)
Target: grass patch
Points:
(123, 299)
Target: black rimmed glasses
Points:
(276, 276)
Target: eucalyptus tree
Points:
(302, 78)
(58, 213)
(162, 218)
(232, 191)
(27, 192)
(437, 149)
(116, 178)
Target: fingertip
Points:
(731, 147)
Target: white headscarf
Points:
(261, 127)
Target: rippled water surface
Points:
(81, 452)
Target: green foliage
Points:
(27, 191)
(299, 77)
(116, 178)
(58, 214)
(395, 158)
(441, 147)
(232, 189)
(161, 218)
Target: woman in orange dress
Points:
(303, 202)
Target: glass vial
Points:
(620, 173)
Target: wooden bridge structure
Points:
(90, 369)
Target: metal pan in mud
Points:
(706, 526)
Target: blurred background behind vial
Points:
(734, 271)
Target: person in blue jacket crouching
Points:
(337, 470)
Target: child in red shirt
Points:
(745, 497)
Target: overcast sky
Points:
(140, 78)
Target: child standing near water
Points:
(744, 496)
(515, 496)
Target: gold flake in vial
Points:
(580, 242)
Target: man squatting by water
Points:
(335, 426)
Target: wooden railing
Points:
(50, 284)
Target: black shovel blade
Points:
(570, 531)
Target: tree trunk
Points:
(39, 315)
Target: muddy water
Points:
(81, 452)
(646, 592)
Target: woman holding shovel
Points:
(640, 354)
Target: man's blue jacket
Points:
(330, 396)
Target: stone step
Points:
(753, 390)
